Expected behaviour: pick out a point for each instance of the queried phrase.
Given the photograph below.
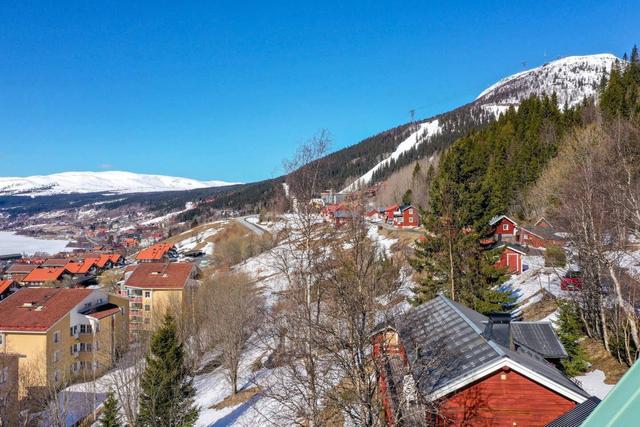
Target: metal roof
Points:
(539, 337)
(576, 416)
(454, 336)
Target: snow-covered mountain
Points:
(112, 182)
(572, 79)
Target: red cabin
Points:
(511, 259)
(406, 216)
(505, 229)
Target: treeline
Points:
(484, 173)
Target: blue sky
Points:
(228, 89)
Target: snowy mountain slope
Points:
(572, 79)
(424, 131)
(113, 182)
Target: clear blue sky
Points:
(226, 90)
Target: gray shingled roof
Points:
(539, 337)
(576, 416)
(445, 342)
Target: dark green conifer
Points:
(569, 333)
(110, 416)
(167, 389)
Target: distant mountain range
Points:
(111, 182)
(372, 160)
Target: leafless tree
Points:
(230, 311)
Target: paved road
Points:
(251, 226)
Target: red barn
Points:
(537, 236)
(505, 229)
(480, 371)
(511, 259)
(406, 216)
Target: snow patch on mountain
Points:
(424, 131)
(111, 182)
(572, 79)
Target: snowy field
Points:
(11, 243)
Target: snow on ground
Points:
(384, 243)
(193, 241)
(11, 243)
(425, 130)
(527, 286)
(593, 383)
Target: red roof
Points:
(82, 267)
(5, 284)
(38, 309)
(43, 274)
(157, 275)
(154, 252)
(103, 260)
(103, 311)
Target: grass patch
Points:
(540, 309)
(600, 359)
(240, 397)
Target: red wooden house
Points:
(505, 229)
(389, 213)
(537, 236)
(406, 216)
(511, 258)
(477, 370)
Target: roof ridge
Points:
(493, 345)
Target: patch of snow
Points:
(425, 130)
(593, 383)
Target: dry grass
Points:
(603, 361)
(240, 397)
(541, 309)
(197, 230)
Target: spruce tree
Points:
(407, 197)
(110, 416)
(634, 55)
(167, 387)
(569, 333)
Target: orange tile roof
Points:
(5, 284)
(154, 252)
(38, 309)
(43, 274)
(103, 259)
(158, 275)
(82, 267)
(115, 257)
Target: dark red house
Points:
(511, 258)
(505, 229)
(406, 216)
(389, 213)
(476, 370)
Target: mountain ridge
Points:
(111, 182)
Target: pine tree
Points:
(167, 387)
(416, 171)
(569, 333)
(407, 197)
(110, 416)
(634, 55)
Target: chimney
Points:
(498, 329)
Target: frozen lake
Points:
(11, 243)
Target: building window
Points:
(56, 337)
(99, 300)
(56, 356)
(505, 227)
(1, 339)
(147, 307)
(56, 375)
(147, 294)
(147, 320)
(411, 219)
(4, 375)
